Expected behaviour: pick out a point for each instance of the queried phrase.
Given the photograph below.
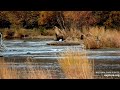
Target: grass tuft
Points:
(76, 65)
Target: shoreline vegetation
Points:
(27, 34)
(74, 65)
(8, 71)
(93, 38)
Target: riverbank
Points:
(47, 69)
(21, 33)
(93, 38)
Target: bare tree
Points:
(60, 19)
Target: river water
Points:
(48, 55)
(40, 49)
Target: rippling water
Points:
(48, 55)
(40, 50)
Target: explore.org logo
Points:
(109, 73)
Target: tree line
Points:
(61, 19)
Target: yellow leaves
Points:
(45, 16)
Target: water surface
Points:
(40, 50)
(46, 56)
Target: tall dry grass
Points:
(102, 38)
(73, 35)
(9, 71)
(76, 65)
(95, 37)
(25, 33)
(36, 73)
(6, 72)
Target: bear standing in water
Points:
(60, 35)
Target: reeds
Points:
(94, 37)
(6, 72)
(102, 38)
(9, 71)
(76, 65)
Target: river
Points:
(47, 55)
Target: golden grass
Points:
(49, 32)
(95, 37)
(36, 73)
(76, 65)
(102, 38)
(6, 72)
(29, 72)
(74, 32)
(30, 33)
